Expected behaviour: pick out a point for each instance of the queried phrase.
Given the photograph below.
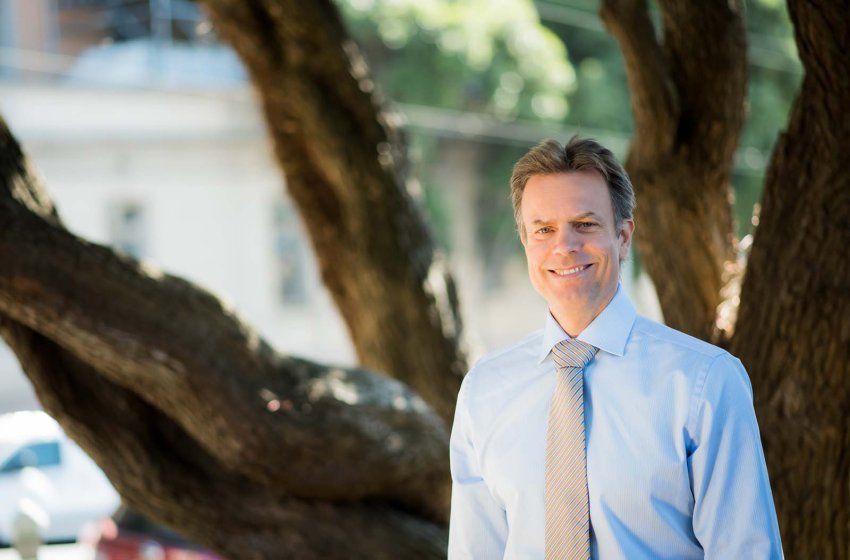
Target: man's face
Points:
(572, 246)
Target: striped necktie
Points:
(567, 513)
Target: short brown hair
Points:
(549, 157)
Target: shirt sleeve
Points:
(734, 515)
(478, 526)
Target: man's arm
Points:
(478, 527)
(734, 516)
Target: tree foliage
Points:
(491, 57)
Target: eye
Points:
(585, 225)
(544, 229)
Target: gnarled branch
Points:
(186, 408)
(688, 89)
(346, 170)
(161, 470)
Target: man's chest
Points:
(635, 431)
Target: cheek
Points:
(534, 254)
(535, 260)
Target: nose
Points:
(567, 241)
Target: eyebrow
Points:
(538, 221)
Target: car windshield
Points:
(6, 449)
(38, 454)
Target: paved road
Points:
(54, 552)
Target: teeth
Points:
(570, 271)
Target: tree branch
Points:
(277, 420)
(653, 93)
(346, 170)
(160, 470)
(688, 101)
(705, 44)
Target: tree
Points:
(793, 328)
(197, 422)
(792, 331)
(688, 104)
(137, 366)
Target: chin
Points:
(563, 295)
(572, 297)
(583, 296)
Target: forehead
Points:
(564, 195)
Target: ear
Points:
(627, 229)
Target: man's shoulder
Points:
(652, 331)
(501, 364)
(524, 349)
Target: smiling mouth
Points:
(566, 272)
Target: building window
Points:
(290, 256)
(127, 228)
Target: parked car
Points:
(46, 476)
(128, 535)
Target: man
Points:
(605, 434)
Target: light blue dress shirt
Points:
(675, 465)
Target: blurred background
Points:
(148, 136)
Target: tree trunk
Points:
(793, 326)
(688, 97)
(198, 422)
(160, 469)
(346, 170)
(793, 331)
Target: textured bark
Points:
(688, 94)
(197, 421)
(793, 331)
(161, 470)
(346, 171)
(793, 326)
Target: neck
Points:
(572, 324)
(574, 321)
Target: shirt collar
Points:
(609, 331)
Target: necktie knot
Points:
(573, 353)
